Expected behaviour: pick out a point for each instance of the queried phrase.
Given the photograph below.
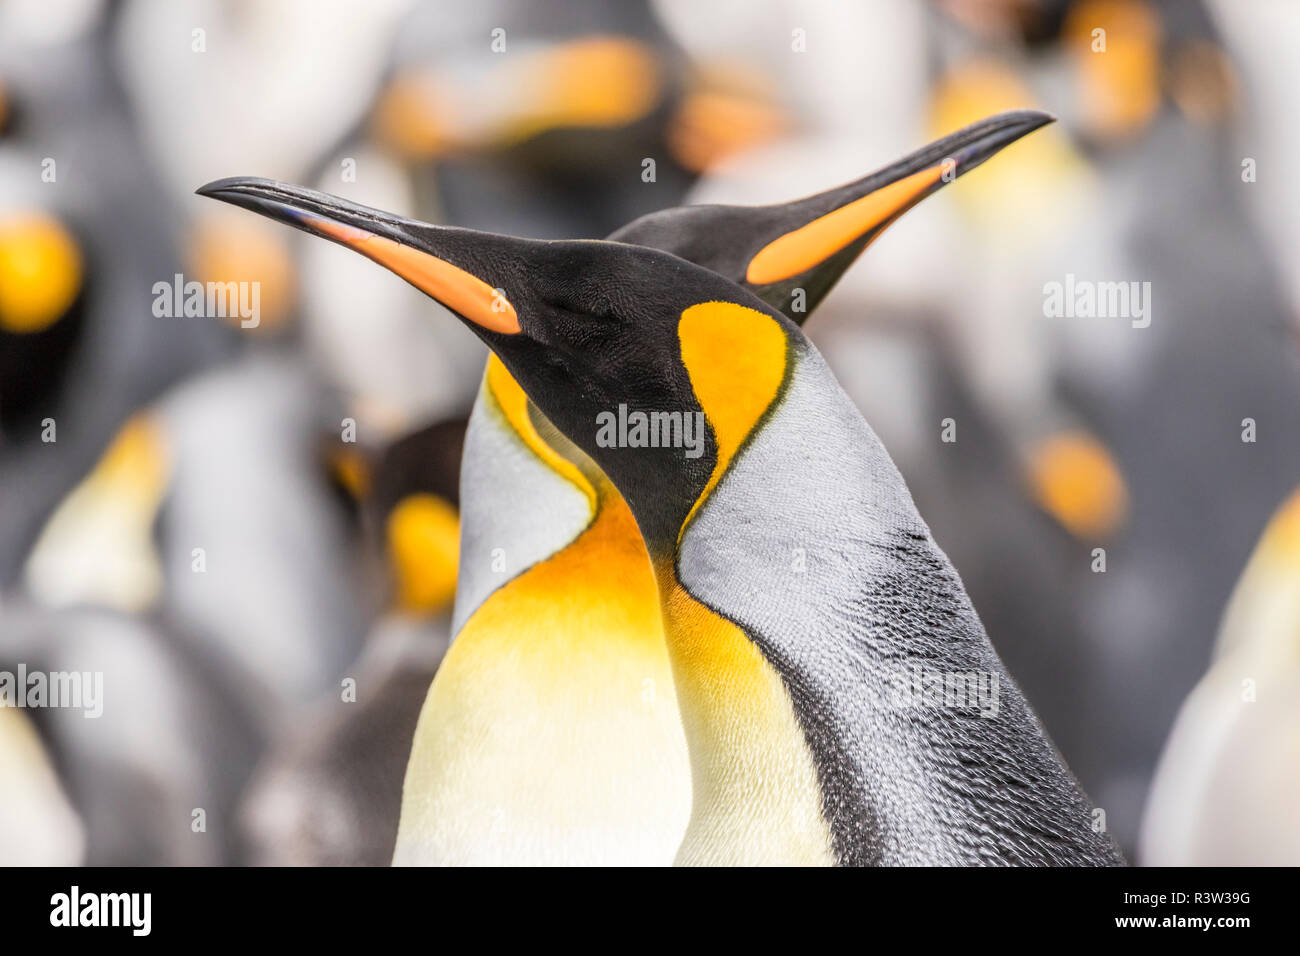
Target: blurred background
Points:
(249, 528)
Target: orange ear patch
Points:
(736, 359)
(455, 288)
(808, 246)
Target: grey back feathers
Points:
(878, 603)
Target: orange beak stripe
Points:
(809, 246)
(455, 288)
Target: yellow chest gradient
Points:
(551, 733)
(757, 799)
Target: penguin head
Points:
(791, 254)
(587, 328)
(630, 350)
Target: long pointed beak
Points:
(823, 233)
(395, 243)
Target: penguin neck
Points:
(801, 591)
(523, 495)
(559, 661)
(756, 797)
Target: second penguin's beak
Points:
(810, 235)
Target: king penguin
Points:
(536, 507)
(803, 601)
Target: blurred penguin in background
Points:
(329, 791)
(1259, 37)
(153, 762)
(121, 542)
(83, 238)
(553, 119)
(1197, 399)
(213, 506)
(180, 723)
(1228, 783)
(38, 826)
(253, 547)
(1112, 440)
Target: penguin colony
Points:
(708, 658)
(335, 556)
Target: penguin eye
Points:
(572, 321)
(593, 336)
(600, 307)
(555, 362)
(581, 300)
